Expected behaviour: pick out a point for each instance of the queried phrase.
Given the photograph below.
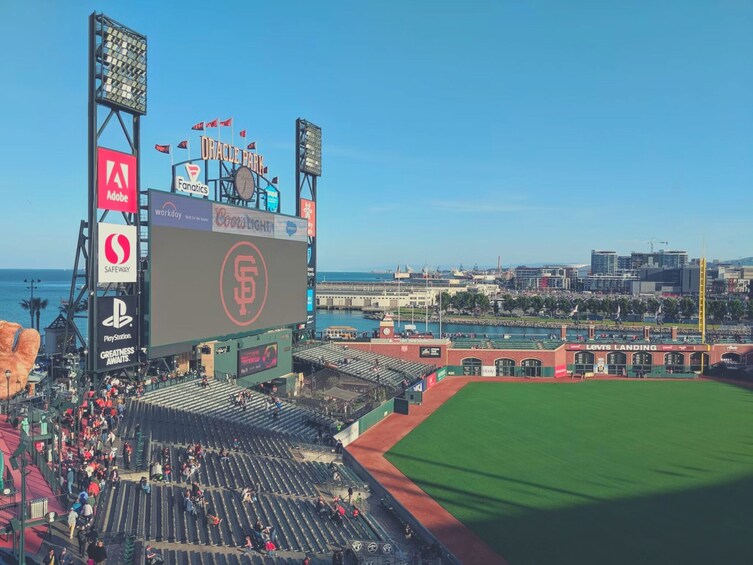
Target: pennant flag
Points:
(575, 310)
(227, 123)
(183, 144)
(243, 133)
(162, 148)
(274, 180)
(251, 145)
(658, 312)
(212, 124)
(618, 313)
(199, 126)
(265, 170)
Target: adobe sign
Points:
(116, 181)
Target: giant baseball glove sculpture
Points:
(18, 351)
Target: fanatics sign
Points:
(116, 181)
(117, 253)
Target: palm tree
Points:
(39, 305)
(27, 305)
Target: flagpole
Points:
(188, 146)
(232, 131)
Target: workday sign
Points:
(170, 210)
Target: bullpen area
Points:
(595, 472)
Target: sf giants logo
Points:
(116, 181)
(243, 283)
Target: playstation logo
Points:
(119, 317)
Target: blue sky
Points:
(453, 132)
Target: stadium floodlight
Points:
(312, 149)
(120, 66)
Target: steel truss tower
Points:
(308, 168)
(117, 100)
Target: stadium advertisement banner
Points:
(290, 227)
(488, 371)
(116, 181)
(310, 300)
(117, 253)
(242, 221)
(634, 347)
(430, 381)
(118, 326)
(349, 434)
(170, 210)
(206, 285)
(308, 211)
(429, 352)
(273, 200)
(418, 387)
(441, 373)
(560, 371)
(257, 359)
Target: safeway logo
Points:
(120, 317)
(117, 249)
(116, 181)
(117, 253)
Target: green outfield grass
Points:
(603, 472)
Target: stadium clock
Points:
(244, 184)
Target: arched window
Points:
(531, 367)
(472, 366)
(617, 363)
(731, 359)
(642, 363)
(505, 367)
(699, 361)
(674, 362)
(584, 362)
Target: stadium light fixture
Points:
(312, 149)
(120, 66)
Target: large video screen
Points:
(257, 359)
(218, 270)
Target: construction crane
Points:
(651, 244)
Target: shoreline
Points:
(612, 328)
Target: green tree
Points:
(550, 305)
(523, 303)
(481, 303)
(652, 305)
(39, 305)
(736, 309)
(750, 309)
(671, 308)
(688, 307)
(29, 307)
(717, 309)
(537, 303)
(508, 303)
(637, 307)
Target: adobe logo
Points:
(116, 181)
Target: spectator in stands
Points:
(167, 472)
(72, 521)
(81, 536)
(248, 495)
(97, 552)
(271, 548)
(127, 450)
(157, 471)
(337, 557)
(339, 447)
(145, 486)
(321, 506)
(65, 558)
(306, 560)
(248, 546)
(213, 520)
(87, 512)
(407, 532)
(236, 444)
(69, 478)
(190, 507)
(153, 557)
(223, 454)
(50, 558)
(350, 494)
(115, 477)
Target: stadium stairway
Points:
(214, 401)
